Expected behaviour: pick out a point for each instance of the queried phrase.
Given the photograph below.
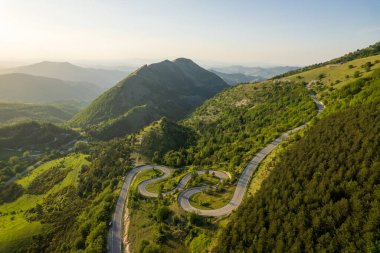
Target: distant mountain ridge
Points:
(26, 88)
(258, 72)
(70, 72)
(169, 88)
(237, 78)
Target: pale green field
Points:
(15, 231)
(203, 200)
(337, 72)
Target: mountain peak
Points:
(171, 89)
(183, 60)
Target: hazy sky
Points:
(293, 32)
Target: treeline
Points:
(322, 195)
(360, 53)
(78, 215)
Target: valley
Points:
(192, 156)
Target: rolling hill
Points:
(32, 135)
(24, 88)
(161, 136)
(18, 112)
(69, 72)
(371, 50)
(170, 88)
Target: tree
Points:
(163, 213)
(321, 76)
(81, 146)
(26, 155)
(14, 160)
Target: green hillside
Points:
(64, 205)
(11, 113)
(360, 53)
(17, 228)
(161, 136)
(321, 191)
(33, 135)
(236, 123)
(321, 196)
(170, 89)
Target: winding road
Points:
(115, 236)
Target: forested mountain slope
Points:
(161, 136)
(170, 89)
(321, 196)
(33, 135)
(236, 123)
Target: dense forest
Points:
(34, 135)
(236, 123)
(321, 196)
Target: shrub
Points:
(163, 213)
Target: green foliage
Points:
(82, 147)
(160, 137)
(10, 192)
(76, 211)
(45, 181)
(19, 225)
(36, 135)
(322, 194)
(108, 161)
(361, 91)
(14, 165)
(163, 213)
(236, 123)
